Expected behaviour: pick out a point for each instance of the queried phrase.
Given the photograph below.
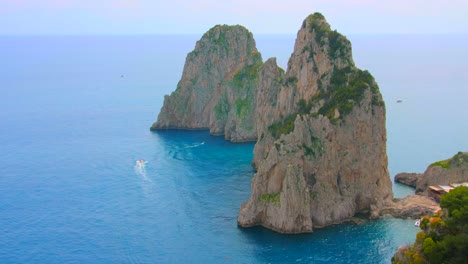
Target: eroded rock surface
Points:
(218, 88)
(412, 206)
(321, 150)
(320, 126)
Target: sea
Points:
(75, 113)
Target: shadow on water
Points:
(207, 179)
(371, 242)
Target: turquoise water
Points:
(75, 113)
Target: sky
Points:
(135, 17)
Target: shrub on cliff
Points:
(456, 161)
(444, 238)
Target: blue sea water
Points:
(75, 113)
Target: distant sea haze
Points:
(75, 113)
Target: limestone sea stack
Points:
(217, 90)
(320, 155)
(321, 150)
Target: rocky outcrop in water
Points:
(321, 149)
(444, 172)
(320, 126)
(218, 88)
(409, 179)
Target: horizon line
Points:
(196, 34)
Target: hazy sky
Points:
(259, 16)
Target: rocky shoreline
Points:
(412, 206)
(445, 172)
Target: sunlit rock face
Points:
(321, 151)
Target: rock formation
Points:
(412, 206)
(453, 170)
(320, 126)
(409, 179)
(321, 149)
(218, 87)
(445, 172)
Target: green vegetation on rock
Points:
(221, 109)
(456, 160)
(271, 198)
(243, 108)
(444, 236)
(248, 73)
(443, 163)
(304, 106)
(317, 15)
(291, 81)
(283, 126)
(315, 148)
(286, 125)
(347, 90)
(218, 36)
(318, 25)
(337, 43)
(244, 85)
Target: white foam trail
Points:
(140, 169)
(196, 145)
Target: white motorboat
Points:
(141, 163)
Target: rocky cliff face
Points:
(218, 87)
(453, 170)
(321, 149)
(444, 172)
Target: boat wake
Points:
(195, 145)
(140, 169)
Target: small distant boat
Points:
(399, 101)
(141, 163)
(417, 223)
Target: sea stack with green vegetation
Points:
(320, 156)
(444, 235)
(218, 86)
(444, 172)
(321, 150)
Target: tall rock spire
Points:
(218, 86)
(320, 154)
(322, 158)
